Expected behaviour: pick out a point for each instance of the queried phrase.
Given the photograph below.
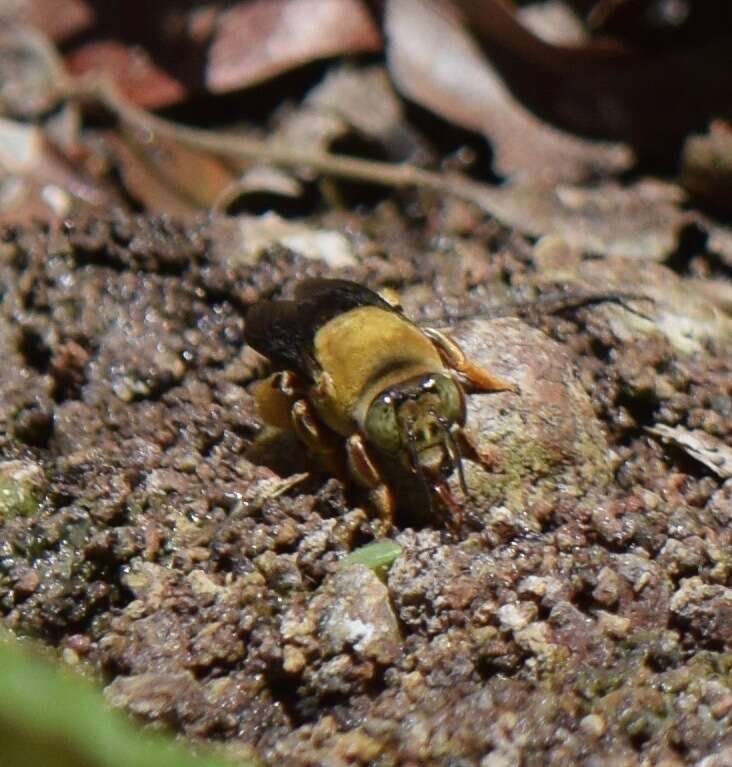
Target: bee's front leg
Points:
(442, 491)
(454, 357)
(365, 472)
(488, 460)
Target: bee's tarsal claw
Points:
(442, 491)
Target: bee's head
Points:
(414, 422)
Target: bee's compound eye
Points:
(382, 428)
(451, 398)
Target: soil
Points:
(581, 615)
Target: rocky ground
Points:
(582, 614)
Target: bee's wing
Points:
(284, 330)
(271, 328)
(322, 299)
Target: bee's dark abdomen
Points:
(284, 330)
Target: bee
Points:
(374, 395)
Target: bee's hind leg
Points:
(365, 472)
(454, 357)
(281, 402)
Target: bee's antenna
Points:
(461, 473)
(454, 448)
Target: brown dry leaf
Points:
(719, 292)
(59, 19)
(712, 452)
(719, 239)
(365, 100)
(38, 182)
(642, 221)
(350, 101)
(166, 176)
(651, 97)
(134, 72)
(244, 239)
(44, 173)
(308, 130)
(161, 53)
(259, 39)
(553, 22)
(688, 319)
(31, 73)
(259, 179)
(154, 52)
(141, 183)
(434, 60)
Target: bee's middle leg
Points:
(275, 396)
(365, 472)
(317, 437)
(454, 357)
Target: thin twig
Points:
(569, 300)
(556, 302)
(103, 91)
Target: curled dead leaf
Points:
(435, 61)
(706, 165)
(245, 238)
(649, 97)
(710, 451)
(59, 19)
(365, 100)
(259, 39)
(644, 220)
(31, 72)
(165, 175)
(689, 320)
(40, 182)
(136, 74)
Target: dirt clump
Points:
(579, 616)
